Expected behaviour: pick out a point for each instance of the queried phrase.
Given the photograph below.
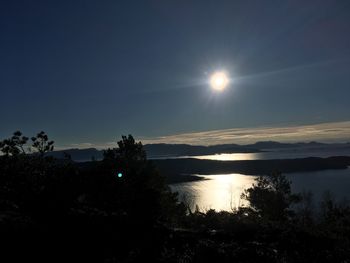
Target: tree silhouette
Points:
(142, 191)
(14, 145)
(17, 143)
(42, 144)
(271, 197)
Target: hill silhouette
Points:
(173, 150)
(178, 170)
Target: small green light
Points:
(120, 175)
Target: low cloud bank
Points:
(325, 132)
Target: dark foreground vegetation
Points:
(121, 210)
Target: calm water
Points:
(219, 192)
(277, 154)
(223, 191)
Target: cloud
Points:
(324, 132)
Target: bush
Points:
(141, 191)
(271, 197)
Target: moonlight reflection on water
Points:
(223, 191)
(219, 192)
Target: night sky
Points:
(89, 71)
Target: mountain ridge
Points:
(158, 150)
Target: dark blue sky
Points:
(89, 71)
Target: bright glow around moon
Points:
(219, 81)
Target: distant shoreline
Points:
(163, 151)
(184, 170)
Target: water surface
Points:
(223, 191)
(273, 154)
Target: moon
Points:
(219, 81)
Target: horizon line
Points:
(329, 132)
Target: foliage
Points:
(17, 144)
(14, 145)
(30, 182)
(271, 197)
(42, 144)
(142, 191)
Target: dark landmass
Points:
(161, 150)
(78, 154)
(279, 145)
(173, 150)
(171, 178)
(158, 150)
(172, 168)
(183, 178)
(183, 170)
